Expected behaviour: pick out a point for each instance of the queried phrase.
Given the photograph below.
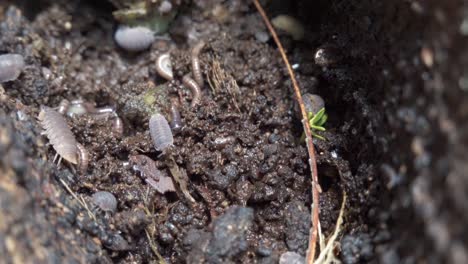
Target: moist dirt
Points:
(394, 89)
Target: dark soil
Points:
(396, 138)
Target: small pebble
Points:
(11, 66)
(262, 36)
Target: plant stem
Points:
(310, 146)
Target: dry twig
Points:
(310, 146)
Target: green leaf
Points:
(318, 115)
(322, 120)
(319, 128)
(318, 136)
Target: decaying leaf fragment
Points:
(151, 174)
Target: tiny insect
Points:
(160, 132)
(163, 66)
(194, 88)
(61, 138)
(134, 38)
(11, 66)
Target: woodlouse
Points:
(61, 138)
(11, 66)
(193, 86)
(160, 132)
(134, 38)
(59, 134)
(163, 66)
(196, 68)
(106, 201)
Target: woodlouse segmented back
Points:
(134, 38)
(59, 134)
(160, 132)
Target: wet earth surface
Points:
(394, 88)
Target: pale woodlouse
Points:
(134, 38)
(62, 139)
(160, 132)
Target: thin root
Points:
(80, 201)
(326, 253)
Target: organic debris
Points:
(151, 174)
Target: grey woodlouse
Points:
(196, 68)
(11, 66)
(106, 201)
(193, 86)
(163, 66)
(134, 38)
(176, 121)
(160, 132)
(59, 134)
